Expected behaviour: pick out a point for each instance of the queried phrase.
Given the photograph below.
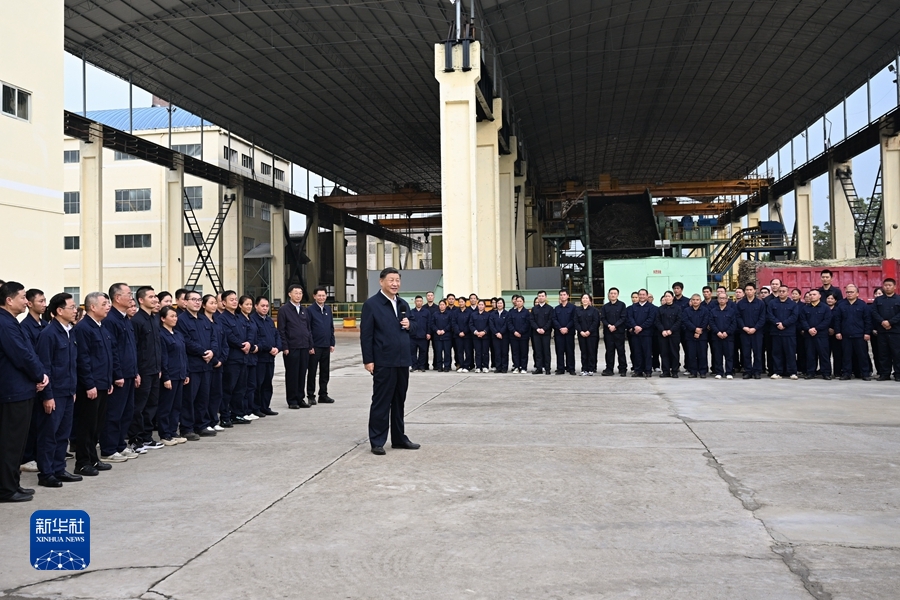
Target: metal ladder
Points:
(864, 217)
(868, 241)
(204, 246)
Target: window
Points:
(249, 244)
(246, 162)
(265, 212)
(279, 175)
(16, 102)
(72, 203)
(193, 197)
(71, 156)
(124, 156)
(136, 240)
(76, 293)
(198, 289)
(188, 149)
(72, 242)
(230, 155)
(133, 200)
(265, 169)
(248, 207)
(189, 239)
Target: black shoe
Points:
(664, 374)
(647, 375)
(637, 374)
(327, 400)
(68, 477)
(560, 372)
(884, 378)
(87, 470)
(29, 491)
(201, 433)
(407, 446)
(379, 450)
(867, 378)
(292, 406)
(757, 376)
(240, 421)
(51, 482)
(845, 378)
(303, 404)
(270, 412)
(826, 377)
(259, 413)
(674, 374)
(548, 372)
(18, 497)
(102, 466)
(702, 375)
(692, 376)
(623, 374)
(537, 372)
(747, 376)
(312, 400)
(226, 423)
(606, 373)
(571, 372)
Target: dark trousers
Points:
(888, 354)
(817, 354)
(614, 344)
(856, 350)
(436, 363)
(87, 418)
(169, 408)
(15, 419)
(418, 351)
(249, 398)
(801, 352)
(464, 352)
(500, 352)
(631, 356)
(389, 385)
(565, 351)
(588, 347)
(265, 371)
(146, 402)
(836, 347)
(296, 362)
(784, 354)
(519, 347)
(442, 355)
(696, 361)
(119, 413)
(738, 348)
(194, 402)
(481, 346)
(670, 353)
(53, 437)
(234, 385)
(768, 353)
(642, 345)
(215, 397)
(541, 344)
(320, 361)
(655, 351)
(751, 352)
(31, 449)
(723, 351)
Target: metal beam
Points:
(690, 189)
(373, 204)
(412, 224)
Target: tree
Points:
(879, 228)
(822, 241)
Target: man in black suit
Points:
(296, 335)
(149, 362)
(384, 337)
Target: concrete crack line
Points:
(70, 576)
(409, 412)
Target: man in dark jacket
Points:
(783, 317)
(852, 324)
(541, 326)
(564, 334)
(815, 319)
(695, 324)
(234, 374)
(201, 345)
(614, 317)
(384, 332)
(149, 361)
(641, 320)
(120, 404)
(418, 342)
(462, 337)
(22, 376)
(32, 325)
(321, 325)
(886, 319)
(751, 319)
(296, 336)
(519, 332)
(723, 325)
(269, 343)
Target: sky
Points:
(106, 91)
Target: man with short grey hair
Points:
(120, 404)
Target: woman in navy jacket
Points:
(174, 376)
(587, 330)
(246, 304)
(668, 327)
(441, 326)
(500, 335)
(519, 322)
(479, 326)
(211, 419)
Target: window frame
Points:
(68, 202)
(121, 203)
(69, 153)
(133, 237)
(16, 91)
(72, 242)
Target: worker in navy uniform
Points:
(120, 404)
(384, 332)
(174, 376)
(682, 302)
(641, 321)
(22, 377)
(815, 319)
(852, 324)
(886, 321)
(587, 330)
(33, 324)
(541, 326)
(769, 294)
(321, 326)
(630, 332)
(269, 346)
(234, 377)
(58, 354)
(499, 319)
(442, 338)
(462, 338)
(210, 304)
(418, 342)
(296, 335)
(827, 288)
(835, 346)
(783, 317)
(695, 327)
(738, 341)
(668, 330)
(614, 318)
(722, 326)
(149, 362)
(98, 360)
(245, 304)
(752, 316)
(479, 328)
(564, 334)
(201, 345)
(453, 309)
(518, 328)
(432, 308)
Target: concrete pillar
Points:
(379, 255)
(278, 258)
(843, 227)
(362, 267)
(409, 258)
(890, 164)
(507, 218)
(803, 210)
(340, 264)
(489, 249)
(174, 227)
(92, 212)
(776, 212)
(521, 258)
(752, 217)
(395, 256)
(231, 243)
(312, 251)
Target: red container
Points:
(807, 278)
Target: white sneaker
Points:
(138, 450)
(590, 373)
(169, 442)
(718, 377)
(29, 467)
(129, 453)
(179, 439)
(775, 376)
(794, 377)
(251, 417)
(462, 370)
(217, 428)
(153, 445)
(729, 377)
(115, 457)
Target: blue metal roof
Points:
(151, 117)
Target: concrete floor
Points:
(525, 487)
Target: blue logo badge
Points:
(60, 540)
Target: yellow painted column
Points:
(92, 212)
(276, 236)
(312, 251)
(752, 217)
(362, 267)
(340, 264)
(843, 228)
(174, 226)
(231, 243)
(521, 250)
(804, 212)
(890, 164)
(395, 256)
(507, 217)
(379, 255)
(488, 242)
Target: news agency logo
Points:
(60, 540)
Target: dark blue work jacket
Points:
(235, 327)
(542, 317)
(222, 340)
(32, 328)
(174, 357)
(146, 334)
(480, 321)
(615, 314)
(499, 323)
(251, 358)
(886, 308)
(692, 319)
(422, 318)
(752, 314)
(126, 346)
(199, 336)
(20, 368)
(852, 320)
(668, 318)
(97, 357)
(643, 316)
(266, 337)
(383, 340)
(58, 353)
(441, 321)
(787, 313)
(519, 321)
(587, 319)
(723, 320)
(460, 320)
(321, 324)
(564, 316)
(815, 317)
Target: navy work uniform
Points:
(541, 318)
(97, 360)
(234, 376)
(499, 321)
(752, 315)
(175, 371)
(32, 328)
(853, 321)
(120, 404)
(58, 353)
(443, 342)
(784, 341)
(479, 323)
(692, 320)
(816, 317)
(250, 359)
(587, 320)
(462, 338)
(887, 308)
(722, 320)
(199, 336)
(146, 397)
(564, 318)
(519, 321)
(321, 327)
(643, 316)
(267, 339)
(418, 342)
(668, 318)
